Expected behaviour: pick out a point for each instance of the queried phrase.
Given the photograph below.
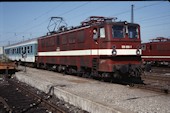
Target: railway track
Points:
(155, 83)
(158, 78)
(18, 99)
(161, 70)
(149, 87)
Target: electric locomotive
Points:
(99, 47)
(156, 52)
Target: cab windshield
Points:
(119, 31)
(132, 32)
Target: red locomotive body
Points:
(157, 51)
(99, 47)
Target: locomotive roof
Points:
(83, 26)
(160, 39)
(157, 40)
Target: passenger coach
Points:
(23, 52)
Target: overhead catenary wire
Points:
(146, 19)
(36, 18)
(49, 11)
(58, 15)
(73, 9)
(79, 7)
(128, 11)
(35, 26)
(43, 14)
(94, 9)
(167, 23)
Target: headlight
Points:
(114, 52)
(138, 52)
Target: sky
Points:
(26, 20)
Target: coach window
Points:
(25, 50)
(22, 50)
(19, 50)
(102, 32)
(31, 49)
(14, 51)
(28, 49)
(117, 31)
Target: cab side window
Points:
(102, 32)
(95, 34)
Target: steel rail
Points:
(151, 77)
(151, 88)
(6, 106)
(52, 107)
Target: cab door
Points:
(98, 44)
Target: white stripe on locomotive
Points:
(89, 52)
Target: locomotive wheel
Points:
(86, 74)
(117, 75)
(168, 64)
(131, 85)
(147, 67)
